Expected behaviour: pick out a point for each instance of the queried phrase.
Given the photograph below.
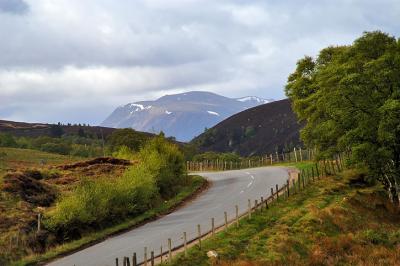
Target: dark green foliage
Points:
(126, 137)
(56, 131)
(59, 148)
(213, 156)
(349, 98)
(81, 132)
(6, 140)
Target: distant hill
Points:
(182, 116)
(22, 129)
(259, 130)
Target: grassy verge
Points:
(305, 165)
(197, 184)
(331, 222)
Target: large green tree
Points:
(349, 97)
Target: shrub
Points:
(124, 152)
(166, 163)
(95, 203)
(6, 140)
(126, 137)
(59, 148)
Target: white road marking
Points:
(252, 177)
(247, 173)
(251, 183)
(241, 191)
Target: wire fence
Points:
(296, 182)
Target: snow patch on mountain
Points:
(213, 113)
(253, 99)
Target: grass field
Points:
(12, 158)
(329, 223)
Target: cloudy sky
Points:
(76, 60)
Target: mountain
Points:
(260, 130)
(182, 116)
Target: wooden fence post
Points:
(277, 192)
(185, 243)
(299, 180)
(199, 233)
(272, 193)
(212, 226)
(294, 186)
(237, 215)
(249, 208)
(226, 220)
(301, 155)
(116, 262)
(169, 250)
(145, 256)
(134, 259)
(152, 258)
(261, 203)
(287, 186)
(39, 222)
(161, 255)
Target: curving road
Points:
(228, 189)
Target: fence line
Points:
(297, 155)
(298, 183)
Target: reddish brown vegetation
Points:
(28, 188)
(101, 160)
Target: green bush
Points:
(95, 203)
(124, 152)
(59, 148)
(127, 137)
(6, 140)
(167, 164)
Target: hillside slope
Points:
(182, 116)
(263, 129)
(23, 129)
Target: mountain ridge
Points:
(183, 115)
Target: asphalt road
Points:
(228, 189)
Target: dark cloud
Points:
(13, 6)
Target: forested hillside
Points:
(260, 130)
